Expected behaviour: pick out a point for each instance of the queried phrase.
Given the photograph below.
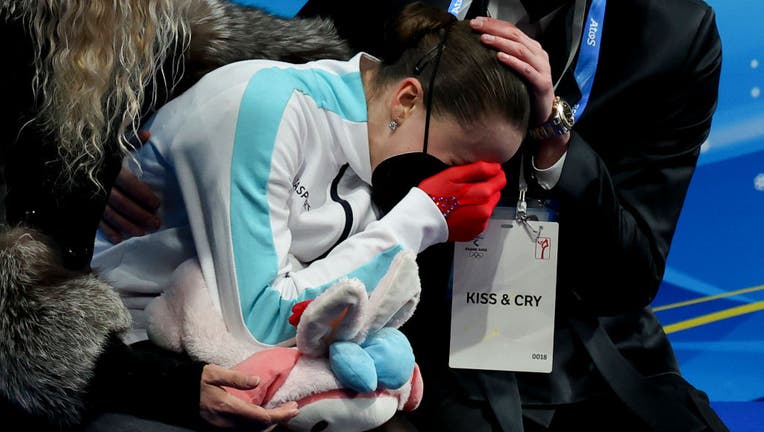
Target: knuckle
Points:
(211, 372)
(117, 200)
(109, 214)
(222, 405)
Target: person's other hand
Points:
(224, 410)
(466, 196)
(131, 206)
(528, 58)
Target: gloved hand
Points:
(466, 195)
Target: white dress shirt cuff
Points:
(547, 178)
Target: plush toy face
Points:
(352, 370)
(287, 375)
(343, 414)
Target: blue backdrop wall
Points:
(712, 299)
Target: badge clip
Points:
(521, 214)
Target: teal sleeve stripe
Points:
(262, 107)
(268, 320)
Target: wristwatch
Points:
(560, 122)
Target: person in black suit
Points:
(618, 179)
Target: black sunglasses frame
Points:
(437, 52)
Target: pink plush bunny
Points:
(346, 338)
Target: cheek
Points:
(444, 149)
(446, 154)
(403, 141)
(512, 148)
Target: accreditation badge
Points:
(503, 299)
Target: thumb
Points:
(222, 377)
(283, 413)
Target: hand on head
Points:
(526, 57)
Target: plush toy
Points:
(351, 369)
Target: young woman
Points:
(267, 171)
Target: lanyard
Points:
(521, 214)
(589, 55)
(522, 205)
(459, 8)
(586, 67)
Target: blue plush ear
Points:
(282, 8)
(393, 357)
(353, 366)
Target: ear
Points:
(395, 298)
(336, 314)
(406, 97)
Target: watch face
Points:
(567, 113)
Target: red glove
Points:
(466, 195)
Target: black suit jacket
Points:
(630, 160)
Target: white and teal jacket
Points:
(264, 174)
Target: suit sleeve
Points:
(618, 215)
(147, 381)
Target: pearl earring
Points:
(393, 125)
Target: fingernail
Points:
(253, 381)
(477, 22)
(488, 38)
(504, 56)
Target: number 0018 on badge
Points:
(503, 299)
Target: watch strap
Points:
(557, 125)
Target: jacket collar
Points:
(558, 42)
(538, 9)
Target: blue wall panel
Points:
(712, 298)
